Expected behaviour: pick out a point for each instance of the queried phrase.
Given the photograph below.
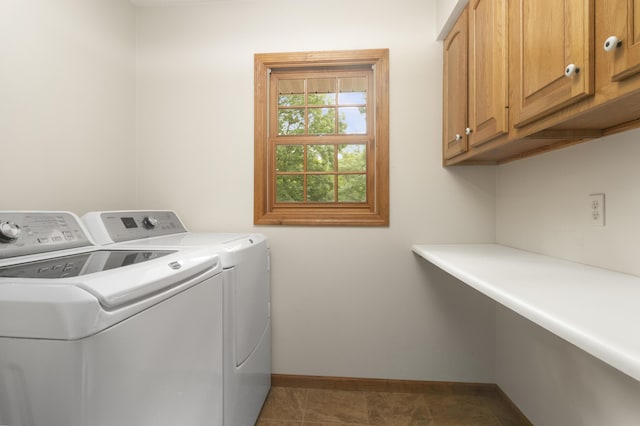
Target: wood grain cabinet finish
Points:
(552, 55)
(618, 35)
(520, 100)
(455, 141)
(488, 76)
(476, 93)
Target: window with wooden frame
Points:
(322, 138)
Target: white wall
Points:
(66, 104)
(556, 383)
(447, 13)
(543, 206)
(550, 194)
(346, 301)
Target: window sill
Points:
(342, 218)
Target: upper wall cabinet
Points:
(455, 89)
(542, 75)
(476, 92)
(488, 77)
(619, 35)
(552, 49)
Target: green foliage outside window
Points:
(321, 172)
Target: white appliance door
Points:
(251, 295)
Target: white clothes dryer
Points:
(91, 336)
(246, 295)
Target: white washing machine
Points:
(246, 295)
(101, 337)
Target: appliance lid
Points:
(80, 264)
(77, 306)
(120, 286)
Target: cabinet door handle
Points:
(571, 70)
(458, 136)
(467, 131)
(612, 43)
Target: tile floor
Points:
(289, 406)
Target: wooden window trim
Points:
(375, 213)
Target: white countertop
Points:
(595, 309)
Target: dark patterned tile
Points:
(271, 422)
(335, 406)
(332, 424)
(505, 412)
(283, 404)
(464, 421)
(397, 409)
(461, 411)
(442, 406)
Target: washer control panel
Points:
(23, 233)
(135, 225)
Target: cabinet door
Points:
(488, 77)
(455, 89)
(620, 19)
(549, 36)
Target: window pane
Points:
(322, 121)
(320, 158)
(352, 158)
(352, 188)
(321, 85)
(353, 98)
(353, 120)
(322, 99)
(353, 91)
(290, 92)
(321, 91)
(291, 121)
(320, 188)
(290, 100)
(289, 158)
(289, 189)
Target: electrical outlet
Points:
(596, 209)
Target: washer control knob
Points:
(150, 222)
(9, 232)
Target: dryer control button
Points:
(150, 222)
(9, 232)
